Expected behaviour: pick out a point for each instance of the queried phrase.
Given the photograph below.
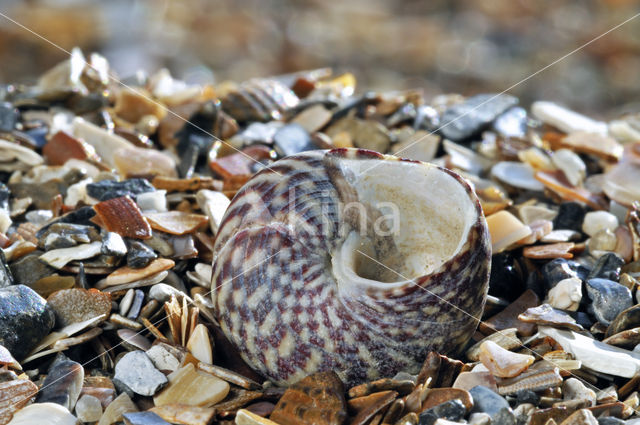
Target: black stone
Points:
(195, 138)
(570, 216)
(292, 139)
(8, 117)
(452, 410)
(80, 216)
(70, 234)
(608, 298)
(109, 189)
(512, 123)
(29, 269)
(485, 400)
(404, 115)
(467, 119)
(506, 280)
(6, 278)
(25, 318)
(139, 255)
(607, 267)
(559, 269)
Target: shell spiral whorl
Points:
(309, 274)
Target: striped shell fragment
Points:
(352, 261)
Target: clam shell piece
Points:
(176, 222)
(122, 216)
(349, 260)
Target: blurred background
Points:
(462, 46)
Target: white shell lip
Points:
(432, 212)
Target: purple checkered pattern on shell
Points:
(289, 318)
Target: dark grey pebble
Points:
(62, 384)
(139, 255)
(6, 278)
(291, 139)
(559, 269)
(607, 267)
(506, 280)
(512, 123)
(113, 244)
(25, 318)
(570, 216)
(485, 400)
(452, 410)
(608, 298)
(109, 189)
(464, 120)
(136, 305)
(29, 269)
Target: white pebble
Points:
(88, 408)
(566, 295)
(571, 165)
(598, 220)
(152, 201)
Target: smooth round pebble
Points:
(88, 408)
(597, 220)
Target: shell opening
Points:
(417, 218)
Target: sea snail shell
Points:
(310, 274)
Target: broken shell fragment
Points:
(425, 265)
(122, 216)
(176, 222)
(503, 363)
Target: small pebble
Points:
(598, 220)
(608, 298)
(88, 408)
(136, 371)
(566, 294)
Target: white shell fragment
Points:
(199, 344)
(517, 174)
(106, 144)
(43, 413)
(58, 258)
(213, 204)
(15, 157)
(571, 165)
(594, 354)
(565, 119)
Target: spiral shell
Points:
(352, 261)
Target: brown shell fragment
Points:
(122, 216)
(176, 222)
(61, 147)
(550, 251)
(368, 406)
(533, 380)
(558, 183)
(127, 274)
(441, 395)
(508, 318)
(192, 184)
(318, 399)
(13, 396)
(402, 387)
